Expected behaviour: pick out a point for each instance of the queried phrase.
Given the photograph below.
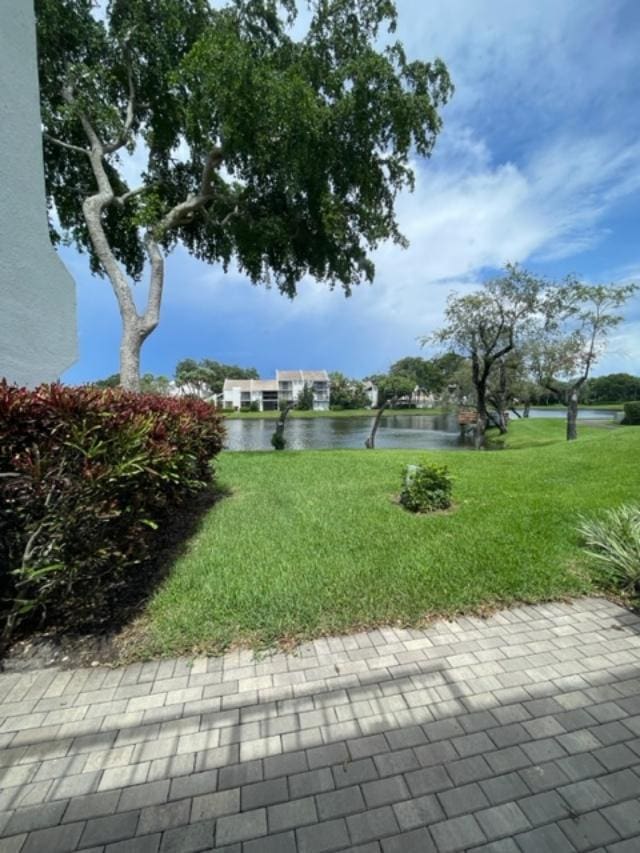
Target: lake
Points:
(410, 431)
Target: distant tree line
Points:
(447, 377)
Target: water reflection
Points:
(410, 431)
(399, 431)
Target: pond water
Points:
(410, 431)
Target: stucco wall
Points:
(38, 338)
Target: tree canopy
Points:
(613, 388)
(579, 319)
(487, 325)
(347, 393)
(431, 374)
(206, 377)
(283, 154)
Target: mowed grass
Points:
(313, 542)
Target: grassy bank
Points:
(314, 542)
(615, 407)
(346, 413)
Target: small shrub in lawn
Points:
(632, 413)
(86, 477)
(278, 441)
(613, 542)
(426, 488)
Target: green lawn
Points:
(313, 542)
(331, 413)
(617, 407)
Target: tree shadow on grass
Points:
(98, 638)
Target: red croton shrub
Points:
(86, 476)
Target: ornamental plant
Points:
(613, 544)
(632, 413)
(86, 477)
(426, 488)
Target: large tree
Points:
(285, 155)
(485, 326)
(430, 374)
(579, 320)
(205, 378)
(613, 388)
(347, 393)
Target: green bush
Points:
(254, 406)
(632, 413)
(304, 402)
(86, 477)
(613, 542)
(426, 488)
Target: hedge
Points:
(632, 413)
(87, 475)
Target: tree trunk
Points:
(501, 421)
(370, 443)
(130, 346)
(572, 415)
(527, 409)
(277, 439)
(482, 419)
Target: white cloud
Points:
(465, 216)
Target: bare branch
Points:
(151, 316)
(229, 216)
(77, 148)
(121, 199)
(123, 136)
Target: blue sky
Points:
(538, 162)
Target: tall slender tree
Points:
(286, 155)
(580, 318)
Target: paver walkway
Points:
(519, 733)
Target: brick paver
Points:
(519, 732)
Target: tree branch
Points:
(121, 199)
(151, 316)
(123, 136)
(229, 216)
(77, 148)
(213, 161)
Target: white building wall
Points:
(38, 338)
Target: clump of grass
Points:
(613, 541)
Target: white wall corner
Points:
(38, 332)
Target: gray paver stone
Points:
(416, 841)
(340, 803)
(56, 839)
(140, 844)
(101, 830)
(588, 830)
(241, 827)
(292, 814)
(372, 824)
(501, 821)
(284, 842)
(385, 791)
(330, 835)
(458, 833)
(188, 839)
(467, 798)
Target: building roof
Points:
(302, 375)
(251, 384)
